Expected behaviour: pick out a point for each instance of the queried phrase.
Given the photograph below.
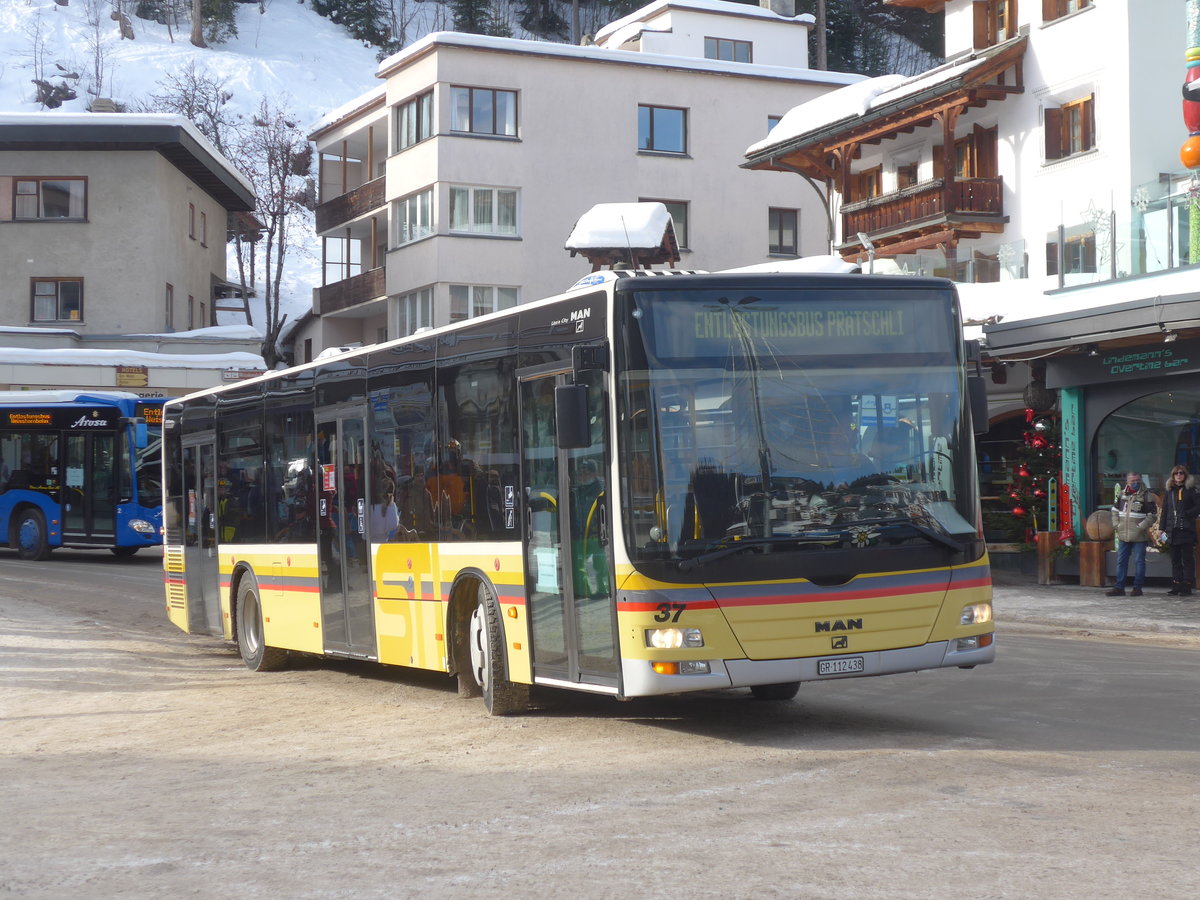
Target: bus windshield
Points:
(800, 421)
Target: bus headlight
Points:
(673, 638)
(976, 614)
(141, 526)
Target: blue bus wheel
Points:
(31, 536)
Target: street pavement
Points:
(1020, 602)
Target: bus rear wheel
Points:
(124, 552)
(785, 691)
(257, 656)
(501, 697)
(30, 536)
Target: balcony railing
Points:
(350, 291)
(983, 197)
(351, 205)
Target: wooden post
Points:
(1091, 563)
(1047, 543)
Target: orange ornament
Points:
(1189, 153)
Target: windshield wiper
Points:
(748, 543)
(934, 537)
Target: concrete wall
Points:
(135, 241)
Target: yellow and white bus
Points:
(648, 485)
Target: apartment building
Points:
(449, 191)
(113, 225)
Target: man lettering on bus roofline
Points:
(1134, 512)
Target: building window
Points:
(49, 198)
(191, 309)
(1056, 9)
(414, 311)
(414, 120)
(723, 48)
(414, 217)
(1071, 128)
(662, 129)
(483, 111)
(57, 299)
(783, 225)
(479, 210)
(192, 221)
(343, 258)
(1078, 254)
(906, 176)
(679, 218)
(203, 229)
(470, 300)
(995, 22)
(772, 121)
(169, 307)
(866, 184)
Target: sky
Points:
(282, 52)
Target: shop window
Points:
(1148, 435)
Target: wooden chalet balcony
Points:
(351, 205)
(350, 291)
(972, 197)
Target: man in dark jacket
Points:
(1177, 525)
(1133, 514)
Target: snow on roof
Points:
(346, 109)
(833, 264)
(86, 119)
(710, 6)
(603, 54)
(60, 357)
(857, 100)
(844, 103)
(638, 226)
(616, 38)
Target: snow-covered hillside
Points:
(283, 51)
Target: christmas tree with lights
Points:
(1037, 460)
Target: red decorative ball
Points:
(1040, 494)
(1040, 443)
(1018, 511)
(1023, 472)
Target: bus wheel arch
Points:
(483, 661)
(27, 533)
(248, 625)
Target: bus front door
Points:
(200, 559)
(89, 496)
(347, 616)
(568, 563)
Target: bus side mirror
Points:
(977, 391)
(571, 416)
(141, 436)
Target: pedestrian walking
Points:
(1133, 513)
(1177, 525)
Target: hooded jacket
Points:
(1179, 510)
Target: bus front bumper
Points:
(640, 680)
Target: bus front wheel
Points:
(30, 533)
(124, 552)
(257, 656)
(501, 697)
(785, 691)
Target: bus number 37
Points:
(670, 612)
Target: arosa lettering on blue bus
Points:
(79, 470)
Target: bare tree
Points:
(200, 97)
(270, 147)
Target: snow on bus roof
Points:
(639, 226)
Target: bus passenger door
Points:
(568, 562)
(347, 613)
(89, 487)
(200, 559)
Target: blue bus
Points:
(80, 469)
